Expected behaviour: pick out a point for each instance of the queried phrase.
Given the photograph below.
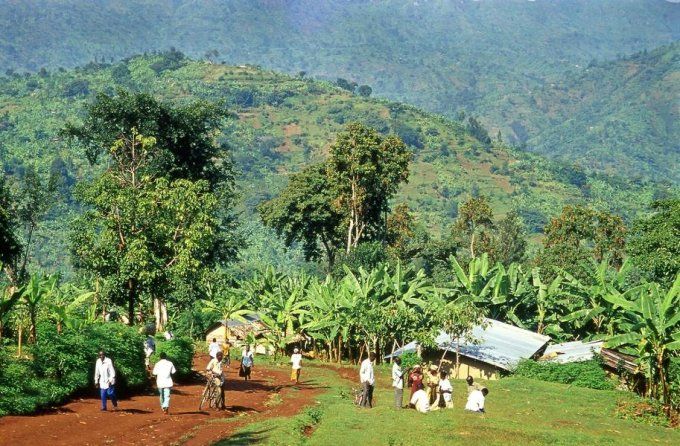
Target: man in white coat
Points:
(367, 380)
(105, 379)
(163, 371)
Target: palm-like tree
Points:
(595, 314)
(650, 328)
(227, 303)
(36, 290)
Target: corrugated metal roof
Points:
(572, 351)
(493, 342)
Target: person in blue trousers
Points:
(105, 380)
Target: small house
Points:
(234, 330)
(491, 348)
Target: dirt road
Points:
(139, 420)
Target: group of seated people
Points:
(433, 390)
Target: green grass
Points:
(519, 411)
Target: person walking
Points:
(247, 363)
(213, 348)
(367, 379)
(214, 368)
(296, 361)
(105, 380)
(226, 354)
(149, 349)
(163, 371)
(398, 383)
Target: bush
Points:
(180, 351)
(588, 374)
(64, 364)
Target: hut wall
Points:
(218, 331)
(471, 367)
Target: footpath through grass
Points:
(519, 411)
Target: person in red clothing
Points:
(415, 379)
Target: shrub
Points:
(409, 359)
(582, 374)
(180, 351)
(69, 357)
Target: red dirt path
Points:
(139, 420)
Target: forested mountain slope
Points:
(494, 58)
(621, 116)
(281, 124)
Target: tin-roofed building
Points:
(493, 347)
(572, 351)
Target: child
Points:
(445, 391)
(296, 361)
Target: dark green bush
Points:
(64, 364)
(582, 374)
(70, 357)
(180, 351)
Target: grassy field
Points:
(519, 411)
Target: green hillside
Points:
(621, 116)
(282, 123)
(513, 63)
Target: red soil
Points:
(140, 421)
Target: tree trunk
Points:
(472, 244)
(132, 295)
(32, 336)
(160, 312)
(21, 333)
(394, 347)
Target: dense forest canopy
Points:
(535, 70)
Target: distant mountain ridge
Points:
(492, 58)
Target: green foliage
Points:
(654, 242)
(10, 247)
(646, 411)
(69, 357)
(180, 351)
(409, 359)
(581, 374)
(64, 364)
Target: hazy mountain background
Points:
(591, 82)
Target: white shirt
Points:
(445, 385)
(104, 374)
(296, 359)
(421, 401)
(397, 379)
(366, 372)
(213, 348)
(163, 371)
(475, 401)
(247, 358)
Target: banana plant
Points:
(512, 295)
(8, 299)
(477, 283)
(547, 304)
(596, 314)
(649, 327)
(38, 288)
(226, 303)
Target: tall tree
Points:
(146, 236)
(473, 225)
(365, 170)
(304, 213)
(509, 240)
(185, 147)
(35, 198)
(654, 243)
(10, 247)
(581, 233)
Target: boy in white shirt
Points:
(367, 380)
(445, 390)
(475, 401)
(296, 360)
(398, 383)
(213, 348)
(105, 380)
(163, 371)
